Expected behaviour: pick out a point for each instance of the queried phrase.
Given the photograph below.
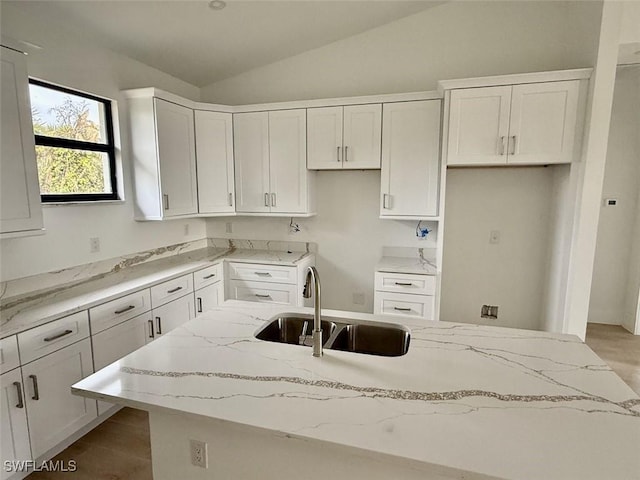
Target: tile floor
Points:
(119, 448)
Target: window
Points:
(74, 144)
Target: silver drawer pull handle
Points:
(263, 296)
(59, 335)
(199, 305)
(338, 154)
(263, 274)
(159, 324)
(346, 154)
(166, 201)
(273, 200)
(400, 309)
(404, 284)
(126, 309)
(230, 199)
(20, 403)
(174, 290)
(36, 393)
(151, 335)
(207, 277)
(266, 199)
(385, 201)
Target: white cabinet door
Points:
(324, 138)
(362, 133)
(177, 156)
(209, 297)
(14, 434)
(214, 155)
(479, 126)
(410, 158)
(172, 315)
(251, 147)
(53, 412)
(20, 208)
(288, 162)
(543, 122)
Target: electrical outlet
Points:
(186, 229)
(494, 236)
(199, 456)
(358, 298)
(229, 227)
(94, 244)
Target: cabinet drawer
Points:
(262, 273)
(404, 305)
(48, 338)
(405, 283)
(9, 354)
(263, 292)
(167, 291)
(207, 276)
(117, 311)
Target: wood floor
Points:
(119, 448)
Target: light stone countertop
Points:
(473, 400)
(411, 265)
(34, 309)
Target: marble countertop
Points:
(34, 309)
(472, 400)
(414, 265)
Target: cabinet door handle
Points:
(273, 199)
(159, 325)
(57, 336)
(230, 199)
(404, 284)
(346, 154)
(174, 290)
(199, 304)
(20, 403)
(263, 274)
(513, 151)
(151, 334)
(262, 296)
(266, 199)
(207, 277)
(385, 201)
(166, 201)
(338, 154)
(36, 393)
(401, 309)
(126, 309)
(501, 149)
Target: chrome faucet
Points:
(312, 273)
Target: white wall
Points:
(347, 230)
(616, 271)
(77, 63)
(512, 273)
(453, 40)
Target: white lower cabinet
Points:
(54, 413)
(14, 434)
(172, 315)
(263, 292)
(404, 294)
(209, 297)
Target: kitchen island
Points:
(466, 401)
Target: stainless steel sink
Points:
(372, 338)
(386, 340)
(289, 329)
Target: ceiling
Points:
(192, 42)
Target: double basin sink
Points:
(358, 336)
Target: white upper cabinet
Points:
(270, 162)
(410, 159)
(20, 207)
(214, 155)
(177, 158)
(533, 123)
(164, 157)
(344, 137)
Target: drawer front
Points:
(53, 336)
(9, 354)
(262, 273)
(117, 342)
(405, 283)
(263, 292)
(404, 305)
(171, 290)
(117, 311)
(207, 276)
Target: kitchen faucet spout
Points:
(312, 274)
